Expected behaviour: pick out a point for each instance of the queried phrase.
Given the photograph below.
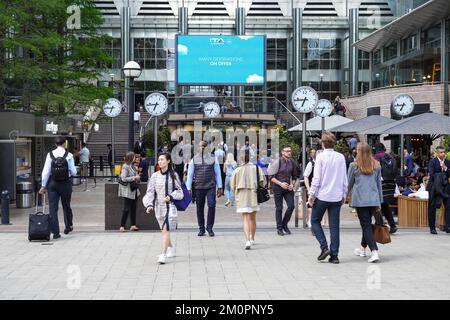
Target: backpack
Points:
(60, 167)
(388, 167)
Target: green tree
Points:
(163, 138)
(52, 67)
(286, 138)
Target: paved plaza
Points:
(93, 264)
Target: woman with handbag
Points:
(245, 182)
(129, 191)
(163, 188)
(364, 182)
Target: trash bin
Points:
(76, 181)
(24, 194)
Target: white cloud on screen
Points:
(254, 78)
(182, 49)
(245, 37)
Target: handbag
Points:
(182, 204)
(134, 185)
(261, 192)
(380, 230)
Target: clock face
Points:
(403, 104)
(304, 99)
(211, 109)
(112, 107)
(324, 108)
(156, 104)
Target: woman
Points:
(228, 168)
(130, 197)
(364, 182)
(163, 188)
(244, 184)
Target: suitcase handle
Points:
(43, 201)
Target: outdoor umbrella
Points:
(363, 124)
(315, 124)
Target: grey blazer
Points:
(126, 175)
(365, 188)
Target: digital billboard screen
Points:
(224, 60)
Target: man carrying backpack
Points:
(388, 175)
(59, 167)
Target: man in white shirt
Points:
(85, 155)
(137, 120)
(58, 168)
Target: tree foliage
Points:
(46, 67)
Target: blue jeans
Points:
(202, 196)
(228, 193)
(318, 210)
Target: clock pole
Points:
(402, 156)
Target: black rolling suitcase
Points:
(39, 224)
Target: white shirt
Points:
(84, 155)
(220, 155)
(308, 170)
(137, 116)
(58, 152)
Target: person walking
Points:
(143, 166)
(364, 183)
(163, 188)
(283, 175)
(244, 183)
(229, 166)
(409, 163)
(388, 174)
(204, 174)
(328, 192)
(137, 120)
(439, 171)
(58, 168)
(128, 175)
(85, 156)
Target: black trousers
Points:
(279, 195)
(432, 214)
(365, 219)
(387, 213)
(129, 206)
(57, 190)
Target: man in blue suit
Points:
(409, 163)
(438, 165)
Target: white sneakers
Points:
(360, 253)
(252, 242)
(248, 245)
(162, 258)
(170, 252)
(374, 257)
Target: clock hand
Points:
(156, 103)
(402, 106)
(304, 100)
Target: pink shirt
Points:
(330, 177)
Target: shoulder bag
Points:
(261, 192)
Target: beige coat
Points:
(243, 185)
(126, 175)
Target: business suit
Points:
(434, 167)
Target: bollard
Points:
(5, 207)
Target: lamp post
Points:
(131, 70)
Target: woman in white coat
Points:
(162, 189)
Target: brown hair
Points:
(328, 140)
(365, 162)
(129, 157)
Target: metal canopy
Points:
(424, 123)
(422, 17)
(315, 124)
(363, 124)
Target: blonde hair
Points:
(230, 158)
(365, 162)
(129, 157)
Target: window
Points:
(377, 57)
(390, 52)
(431, 38)
(363, 60)
(330, 89)
(113, 49)
(409, 44)
(277, 90)
(153, 53)
(277, 54)
(321, 53)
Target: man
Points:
(409, 163)
(352, 142)
(284, 173)
(137, 120)
(144, 165)
(438, 185)
(328, 192)
(205, 170)
(308, 175)
(139, 147)
(58, 168)
(388, 174)
(85, 155)
(219, 154)
(351, 158)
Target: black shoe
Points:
(67, 231)
(447, 230)
(325, 253)
(393, 229)
(201, 233)
(334, 260)
(211, 233)
(280, 232)
(56, 236)
(433, 231)
(286, 229)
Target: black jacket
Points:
(438, 185)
